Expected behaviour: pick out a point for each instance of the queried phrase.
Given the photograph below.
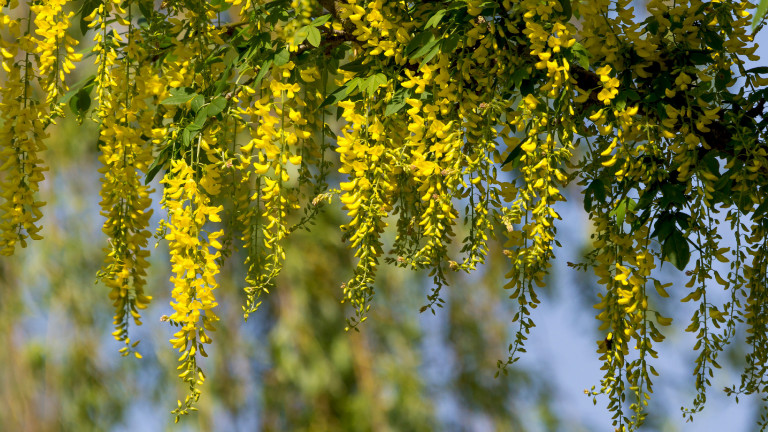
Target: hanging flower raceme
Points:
(194, 251)
(106, 39)
(273, 151)
(362, 159)
(125, 158)
(55, 49)
(125, 202)
(22, 133)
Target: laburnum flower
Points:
(610, 85)
(682, 81)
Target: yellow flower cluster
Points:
(125, 203)
(624, 267)
(415, 174)
(274, 150)
(55, 48)
(539, 128)
(193, 257)
(23, 117)
(21, 141)
(106, 53)
(471, 111)
(547, 44)
(380, 27)
(610, 85)
(366, 198)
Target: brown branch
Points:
(332, 6)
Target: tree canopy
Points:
(445, 122)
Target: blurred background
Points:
(291, 366)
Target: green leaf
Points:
(587, 202)
(435, 19)
(189, 133)
(631, 94)
(212, 109)
(216, 106)
(418, 43)
(397, 102)
(518, 76)
(513, 155)
(663, 227)
(431, 47)
(647, 197)
(282, 57)
(672, 194)
(621, 101)
(158, 163)
(197, 102)
(621, 209)
(86, 83)
(222, 82)
(432, 53)
(567, 9)
(327, 131)
(196, 126)
(317, 22)
(599, 190)
(301, 35)
(653, 25)
(146, 8)
(372, 83)
(449, 44)
(699, 57)
(759, 69)
(527, 87)
(676, 250)
(710, 162)
(640, 218)
(263, 71)
(713, 40)
(80, 102)
(220, 5)
(487, 8)
(179, 96)
(762, 7)
(722, 78)
(153, 170)
(357, 65)
(596, 190)
(581, 54)
(313, 36)
(761, 209)
(683, 220)
(340, 93)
